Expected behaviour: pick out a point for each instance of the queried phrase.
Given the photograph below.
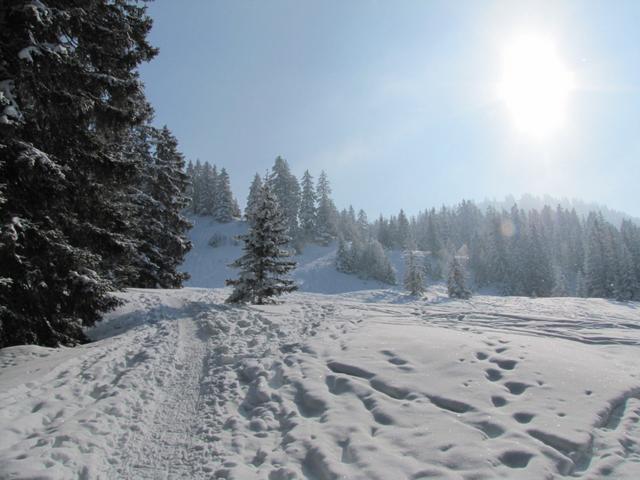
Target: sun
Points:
(535, 85)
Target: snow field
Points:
(179, 385)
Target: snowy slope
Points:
(179, 385)
(316, 271)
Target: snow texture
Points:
(179, 385)
(348, 382)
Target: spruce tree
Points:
(626, 285)
(157, 202)
(559, 284)
(224, 202)
(69, 92)
(286, 189)
(344, 257)
(414, 276)
(403, 237)
(456, 283)
(253, 197)
(209, 189)
(197, 189)
(326, 214)
(264, 264)
(308, 210)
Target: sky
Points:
(401, 102)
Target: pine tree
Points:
(598, 279)
(362, 223)
(308, 210)
(224, 202)
(539, 277)
(209, 190)
(70, 91)
(326, 214)
(414, 277)
(403, 237)
(456, 283)
(168, 186)
(559, 283)
(626, 286)
(581, 285)
(286, 189)
(264, 264)
(197, 189)
(253, 197)
(374, 263)
(344, 257)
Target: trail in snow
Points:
(179, 385)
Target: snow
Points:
(341, 380)
(209, 266)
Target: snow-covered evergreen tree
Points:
(374, 264)
(456, 282)
(253, 197)
(539, 277)
(581, 285)
(70, 91)
(403, 238)
(224, 203)
(264, 265)
(286, 189)
(414, 275)
(345, 257)
(197, 188)
(626, 285)
(559, 284)
(327, 212)
(308, 210)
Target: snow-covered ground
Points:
(179, 385)
(357, 382)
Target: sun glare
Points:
(535, 85)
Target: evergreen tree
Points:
(456, 283)
(362, 224)
(224, 202)
(253, 197)
(404, 234)
(374, 264)
(581, 285)
(414, 277)
(559, 284)
(326, 214)
(209, 190)
(197, 189)
(286, 189)
(598, 280)
(345, 261)
(308, 210)
(539, 278)
(264, 264)
(69, 92)
(626, 286)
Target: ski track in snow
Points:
(179, 385)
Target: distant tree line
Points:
(210, 192)
(547, 252)
(91, 193)
(552, 252)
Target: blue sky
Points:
(396, 100)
